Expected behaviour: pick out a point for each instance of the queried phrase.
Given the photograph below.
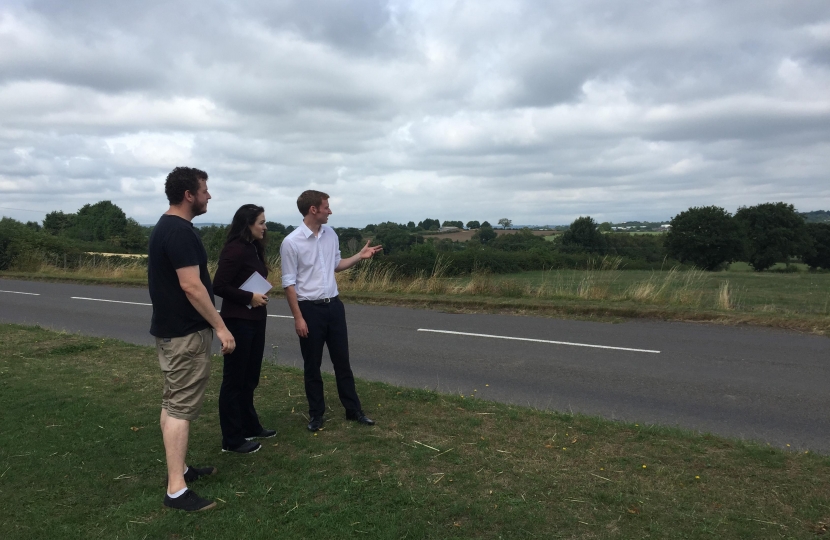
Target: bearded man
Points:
(184, 319)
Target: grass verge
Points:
(794, 301)
(595, 310)
(81, 457)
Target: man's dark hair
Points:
(310, 198)
(241, 225)
(182, 179)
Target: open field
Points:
(81, 457)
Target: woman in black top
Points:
(243, 254)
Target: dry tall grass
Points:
(598, 283)
(83, 266)
(672, 287)
(724, 299)
(595, 283)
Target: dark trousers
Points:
(240, 377)
(327, 326)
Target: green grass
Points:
(797, 293)
(81, 457)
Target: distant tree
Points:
(213, 238)
(23, 248)
(458, 224)
(817, 254)
(524, 240)
(505, 223)
(349, 233)
(707, 237)
(350, 239)
(583, 234)
(773, 232)
(389, 225)
(604, 227)
(484, 235)
(102, 221)
(644, 247)
(289, 228)
(370, 228)
(393, 238)
(447, 245)
(275, 227)
(58, 223)
(473, 224)
(486, 224)
(136, 236)
(34, 225)
(816, 216)
(430, 224)
(411, 226)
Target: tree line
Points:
(705, 237)
(709, 237)
(99, 227)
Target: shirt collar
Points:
(306, 231)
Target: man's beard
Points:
(198, 208)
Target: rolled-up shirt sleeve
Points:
(288, 256)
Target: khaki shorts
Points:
(185, 362)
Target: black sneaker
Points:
(264, 434)
(194, 473)
(248, 447)
(189, 502)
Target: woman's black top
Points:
(238, 260)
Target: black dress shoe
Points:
(316, 423)
(248, 447)
(360, 418)
(264, 434)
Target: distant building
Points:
(448, 229)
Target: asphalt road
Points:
(751, 383)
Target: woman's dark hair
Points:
(241, 226)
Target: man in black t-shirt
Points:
(184, 318)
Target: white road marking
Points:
(112, 301)
(18, 292)
(537, 340)
(137, 303)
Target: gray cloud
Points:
(538, 111)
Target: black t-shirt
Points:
(175, 244)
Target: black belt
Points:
(322, 301)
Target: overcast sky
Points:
(401, 110)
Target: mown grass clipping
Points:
(81, 457)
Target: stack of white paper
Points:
(256, 284)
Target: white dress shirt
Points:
(308, 262)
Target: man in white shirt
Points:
(310, 257)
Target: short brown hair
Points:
(310, 198)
